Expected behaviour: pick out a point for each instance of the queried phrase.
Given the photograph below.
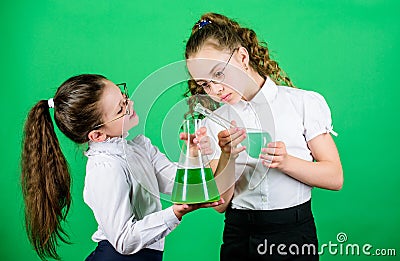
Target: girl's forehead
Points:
(203, 67)
(208, 52)
(111, 94)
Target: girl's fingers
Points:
(266, 157)
(211, 204)
(272, 165)
(207, 151)
(271, 151)
(238, 140)
(206, 205)
(276, 144)
(272, 144)
(238, 150)
(235, 138)
(201, 131)
(184, 136)
(266, 163)
(203, 140)
(236, 134)
(229, 132)
(182, 207)
(271, 159)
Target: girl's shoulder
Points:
(141, 141)
(296, 93)
(302, 99)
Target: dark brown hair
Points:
(225, 34)
(45, 177)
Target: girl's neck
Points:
(255, 85)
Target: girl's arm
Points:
(224, 168)
(108, 193)
(325, 172)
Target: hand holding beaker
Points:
(198, 141)
(275, 155)
(229, 139)
(182, 209)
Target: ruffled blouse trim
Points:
(110, 146)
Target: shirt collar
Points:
(111, 146)
(268, 91)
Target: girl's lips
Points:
(225, 97)
(133, 115)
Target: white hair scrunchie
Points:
(50, 102)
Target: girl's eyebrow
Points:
(213, 69)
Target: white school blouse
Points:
(291, 115)
(122, 185)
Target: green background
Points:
(346, 50)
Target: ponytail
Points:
(45, 183)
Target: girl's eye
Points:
(204, 84)
(219, 74)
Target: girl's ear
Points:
(244, 57)
(97, 136)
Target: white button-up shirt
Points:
(291, 115)
(122, 185)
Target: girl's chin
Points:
(230, 102)
(132, 123)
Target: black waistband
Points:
(285, 216)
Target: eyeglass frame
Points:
(126, 103)
(206, 84)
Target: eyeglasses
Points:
(124, 91)
(218, 76)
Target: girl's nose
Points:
(129, 107)
(131, 103)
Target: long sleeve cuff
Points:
(170, 218)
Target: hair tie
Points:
(203, 22)
(50, 102)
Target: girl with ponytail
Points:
(124, 197)
(230, 66)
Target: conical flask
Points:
(194, 180)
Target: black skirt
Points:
(283, 234)
(106, 252)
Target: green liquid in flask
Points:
(194, 186)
